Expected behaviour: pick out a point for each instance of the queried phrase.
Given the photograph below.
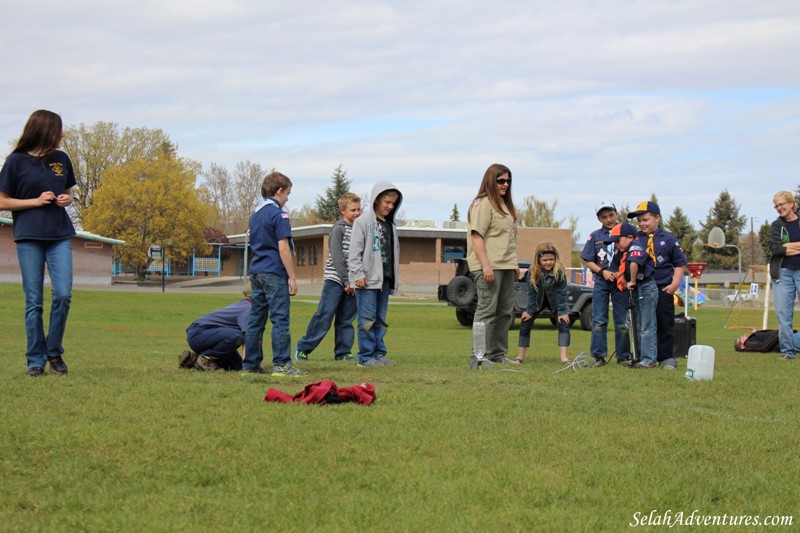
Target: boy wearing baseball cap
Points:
(635, 270)
(597, 255)
(669, 260)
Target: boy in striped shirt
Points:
(338, 300)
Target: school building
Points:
(92, 257)
(427, 253)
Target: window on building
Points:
(312, 254)
(301, 255)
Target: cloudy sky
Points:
(584, 100)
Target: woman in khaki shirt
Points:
(492, 257)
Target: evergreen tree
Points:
(327, 206)
(763, 240)
(679, 225)
(725, 215)
(454, 216)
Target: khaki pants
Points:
(495, 310)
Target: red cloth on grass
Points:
(326, 392)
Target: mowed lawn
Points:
(129, 442)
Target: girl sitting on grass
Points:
(547, 290)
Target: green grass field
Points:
(128, 442)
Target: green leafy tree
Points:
(327, 206)
(455, 216)
(725, 215)
(681, 227)
(102, 146)
(146, 202)
(539, 214)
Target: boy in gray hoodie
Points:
(374, 271)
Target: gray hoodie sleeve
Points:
(336, 249)
(355, 263)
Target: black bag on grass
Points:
(763, 340)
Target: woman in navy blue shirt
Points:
(35, 185)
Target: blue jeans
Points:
(648, 300)
(603, 292)
(221, 342)
(32, 256)
(525, 327)
(333, 303)
(269, 299)
(373, 304)
(785, 293)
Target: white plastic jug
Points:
(700, 363)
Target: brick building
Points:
(92, 257)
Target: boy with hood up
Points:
(374, 271)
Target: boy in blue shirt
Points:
(597, 256)
(634, 273)
(215, 338)
(338, 298)
(272, 280)
(669, 259)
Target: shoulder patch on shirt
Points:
(477, 201)
(636, 253)
(284, 215)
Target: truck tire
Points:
(464, 317)
(461, 291)
(586, 316)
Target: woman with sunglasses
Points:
(784, 267)
(35, 185)
(492, 257)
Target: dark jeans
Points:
(219, 342)
(269, 299)
(525, 333)
(334, 303)
(665, 326)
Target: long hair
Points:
(488, 189)
(42, 133)
(559, 272)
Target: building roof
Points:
(79, 234)
(402, 231)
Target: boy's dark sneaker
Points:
(298, 355)
(35, 371)
(598, 361)
(207, 364)
(348, 357)
(257, 370)
(625, 362)
(57, 365)
(187, 359)
(644, 364)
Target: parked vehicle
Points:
(460, 292)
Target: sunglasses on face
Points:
(503, 181)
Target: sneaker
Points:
(785, 358)
(644, 364)
(385, 361)
(57, 365)
(256, 370)
(288, 371)
(370, 362)
(35, 371)
(625, 362)
(348, 357)
(598, 361)
(668, 367)
(298, 355)
(187, 359)
(207, 364)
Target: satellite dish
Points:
(716, 237)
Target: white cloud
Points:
(583, 99)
